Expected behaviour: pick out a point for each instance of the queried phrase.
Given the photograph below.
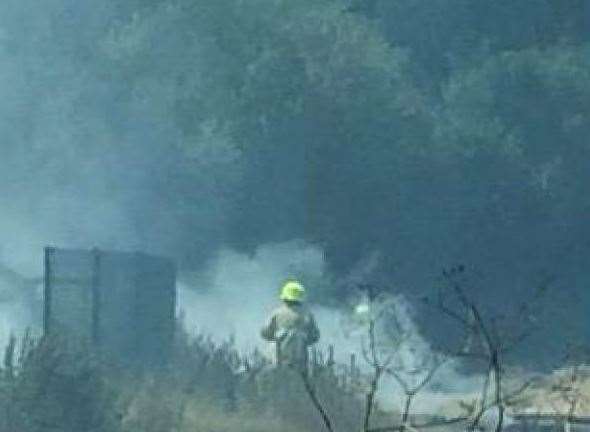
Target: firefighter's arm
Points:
(268, 332)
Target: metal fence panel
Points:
(69, 293)
(123, 303)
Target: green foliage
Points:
(428, 130)
(444, 35)
(530, 104)
(296, 89)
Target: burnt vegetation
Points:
(429, 131)
(51, 384)
(47, 385)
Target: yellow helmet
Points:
(292, 291)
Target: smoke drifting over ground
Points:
(215, 133)
(236, 293)
(16, 316)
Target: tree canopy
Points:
(431, 131)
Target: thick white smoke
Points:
(236, 293)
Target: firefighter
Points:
(292, 328)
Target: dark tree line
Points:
(431, 131)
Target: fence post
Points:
(49, 252)
(96, 258)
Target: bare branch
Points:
(370, 397)
(316, 402)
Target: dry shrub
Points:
(54, 385)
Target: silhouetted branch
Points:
(411, 391)
(316, 402)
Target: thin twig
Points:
(316, 402)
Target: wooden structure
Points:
(121, 303)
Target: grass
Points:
(50, 385)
